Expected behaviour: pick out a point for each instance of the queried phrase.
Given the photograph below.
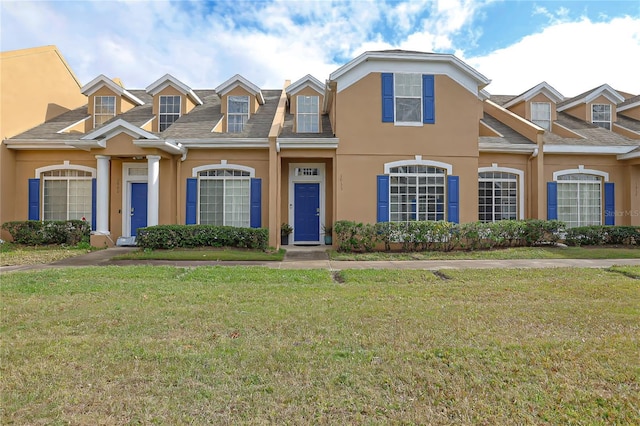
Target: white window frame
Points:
(520, 176)
(315, 116)
(168, 114)
(237, 114)
(597, 122)
(96, 114)
(396, 97)
(603, 177)
(66, 166)
(445, 167)
(544, 122)
(224, 166)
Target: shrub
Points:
(35, 232)
(599, 235)
(189, 236)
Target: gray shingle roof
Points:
(592, 134)
(510, 136)
(501, 99)
(629, 123)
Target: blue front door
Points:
(306, 223)
(138, 207)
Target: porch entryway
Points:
(306, 202)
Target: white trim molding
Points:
(223, 165)
(418, 161)
(65, 166)
(495, 168)
(581, 170)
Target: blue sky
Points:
(577, 45)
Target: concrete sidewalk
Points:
(318, 259)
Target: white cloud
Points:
(203, 44)
(572, 56)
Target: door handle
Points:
(131, 211)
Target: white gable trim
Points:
(100, 81)
(169, 80)
(117, 127)
(306, 81)
(73, 125)
(406, 62)
(543, 88)
(629, 106)
(238, 80)
(604, 90)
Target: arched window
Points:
(580, 199)
(66, 192)
(224, 195)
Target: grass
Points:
(204, 254)
(166, 345)
(500, 254)
(15, 254)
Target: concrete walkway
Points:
(317, 258)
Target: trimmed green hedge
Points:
(603, 235)
(446, 236)
(189, 236)
(35, 232)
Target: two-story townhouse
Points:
(389, 136)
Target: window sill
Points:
(408, 124)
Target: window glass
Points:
(237, 113)
(308, 114)
(408, 98)
(541, 114)
(169, 111)
(104, 109)
(224, 197)
(416, 192)
(601, 115)
(67, 195)
(497, 196)
(580, 199)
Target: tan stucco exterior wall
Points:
(36, 85)
(366, 144)
(632, 113)
(618, 174)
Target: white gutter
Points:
(506, 148)
(588, 149)
(307, 143)
(39, 144)
(225, 143)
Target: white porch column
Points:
(153, 194)
(102, 195)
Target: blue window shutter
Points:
(192, 201)
(387, 97)
(552, 200)
(609, 204)
(428, 100)
(256, 203)
(93, 204)
(453, 195)
(34, 199)
(383, 198)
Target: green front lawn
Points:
(204, 254)
(15, 254)
(500, 254)
(216, 345)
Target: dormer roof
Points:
(238, 80)
(169, 80)
(101, 81)
(630, 103)
(409, 62)
(588, 96)
(115, 128)
(306, 81)
(542, 88)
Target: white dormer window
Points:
(408, 98)
(308, 114)
(104, 109)
(169, 111)
(237, 113)
(601, 115)
(541, 114)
